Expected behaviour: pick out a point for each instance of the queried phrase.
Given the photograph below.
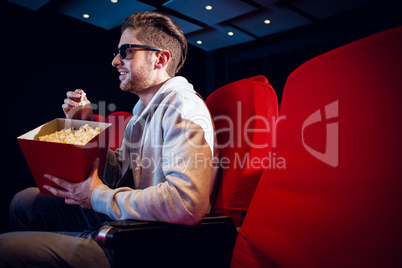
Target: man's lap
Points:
(32, 211)
(51, 233)
(47, 249)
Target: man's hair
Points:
(158, 30)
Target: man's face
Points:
(136, 70)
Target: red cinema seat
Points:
(98, 118)
(338, 202)
(243, 112)
(119, 121)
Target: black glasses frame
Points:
(122, 51)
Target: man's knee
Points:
(24, 199)
(21, 206)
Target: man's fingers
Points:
(57, 192)
(75, 94)
(60, 182)
(69, 201)
(68, 105)
(63, 194)
(70, 102)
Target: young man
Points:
(166, 159)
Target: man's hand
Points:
(76, 193)
(72, 108)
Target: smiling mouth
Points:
(122, 74)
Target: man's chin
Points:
(128, 88)
(124, 86)
(124, 89)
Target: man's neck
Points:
(147, 96)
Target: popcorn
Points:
(71, 136)
(82, 101)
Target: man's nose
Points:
(116, 61)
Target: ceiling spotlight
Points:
(86, 16)
(114, 1)
(267, 21)
(208, 7)
(199, 42)
(230, 33)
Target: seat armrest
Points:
(213, 237)
(111, 231)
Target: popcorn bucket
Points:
(68, 161)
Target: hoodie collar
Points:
(140, 110)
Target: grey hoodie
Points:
(168, 155)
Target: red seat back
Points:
(338, 203)
(119, 121)
(243, 112)
(98, 118)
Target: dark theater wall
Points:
(277, 55)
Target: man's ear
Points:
(162, 59)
